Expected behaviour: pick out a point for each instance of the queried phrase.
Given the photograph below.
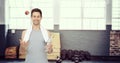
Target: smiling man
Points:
(37, 40)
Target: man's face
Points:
(36, 18)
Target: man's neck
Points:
(36, 27)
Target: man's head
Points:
(36, 16)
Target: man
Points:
(36, 44)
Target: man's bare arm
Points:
(22, 36)
(49, 44)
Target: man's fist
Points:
(49, 48)
(23, 43)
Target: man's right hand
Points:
(23, 43)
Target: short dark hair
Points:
(36, 10)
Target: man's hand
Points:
(49, 48)
(24, 44)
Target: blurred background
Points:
(89, 25)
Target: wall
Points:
(2, 10)
(96, 42)
(2, 40)
(2, 29)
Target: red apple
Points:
(26, 12)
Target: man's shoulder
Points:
(24, 31)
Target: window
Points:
(74, 14)
(115, 14)
(17, 19)
(70, 14)
(82, 15)
(94, 14)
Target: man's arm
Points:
(22, 36)
(49, 44)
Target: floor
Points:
(65, 62)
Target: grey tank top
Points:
(36, 41)
(36, 48)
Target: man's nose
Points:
(36, 18)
